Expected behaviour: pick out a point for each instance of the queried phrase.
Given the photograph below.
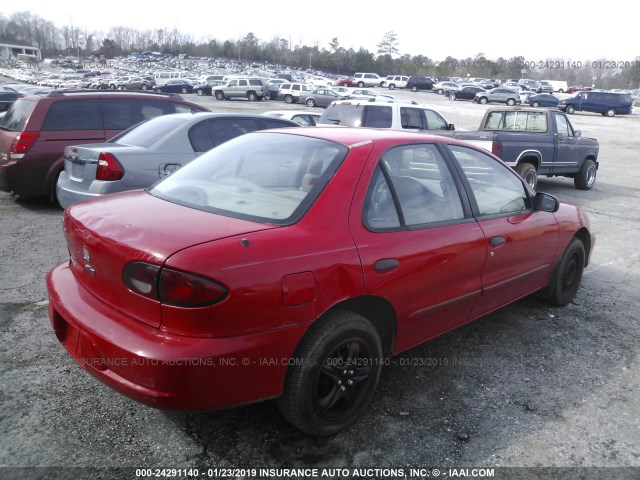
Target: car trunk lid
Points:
(105, 236)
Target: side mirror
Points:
(546, 203)
(577, 133)
(451, 126)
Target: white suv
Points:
(294, 92)
(385, 114)
(395, 81)
(367, 80)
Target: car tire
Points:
(535, 104)
(439, 91)
(571, 109)
(586, 177)
(252, 96)
(528, 173)
(569, 274)
(483, 100)
(336, 370)
(392, 86)
(511, 102)
(144, 87)
(288, 99)
(561, 91)
(611, 112)
(220, 96)
(414, 88)
(310, 102)
(199, 92)
(361, 84)
(452, 96)
(184, 90)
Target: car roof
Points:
(353, 136)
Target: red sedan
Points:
(290, 264)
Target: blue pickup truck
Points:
(537, 141)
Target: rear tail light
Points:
(180, 289)
(496, 148)
(22, 143)
(108, 167)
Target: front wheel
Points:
(528, 173)
(361, 84)
(414, 88)
(184, 90)
(610, 112)
(483, 100)
(252, 96)
(571, 109)
(310, 102)
(199, 92)
(586, 177)
(219, 95)
(144, 86)
(535, 104)
(334, 376)
(440, 91)
(569, 274)
(452, 96)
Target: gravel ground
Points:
(528, 386)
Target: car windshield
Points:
(266, 177)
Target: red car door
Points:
(521, 242)
(419, 246)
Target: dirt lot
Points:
(528, 386)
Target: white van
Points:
(558, 85)
(164, 77)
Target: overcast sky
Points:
(461, 28)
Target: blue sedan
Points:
(543, 100)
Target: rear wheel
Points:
(528, 173)
(610, 112)
(440, 91)
(483, 100)
(335, 375)
(361, 84)
(144, 86)
(199, 92)
(452, 96)
(586, 177)
(569, 274)
(414, 88)
(288, 99)
(184, 90)
(310, 102)
(392, 87)
(511, 102)
(535, 104)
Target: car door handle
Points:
(497, 241)
(386, 264)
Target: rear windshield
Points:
(148, 133)
(518, 121)
(16, 117)
(266, 177)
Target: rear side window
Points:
(210, 133)
(82, 114)
(122, 113)
(377, 117)
(16, 117)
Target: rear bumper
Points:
(68, 195)
(161, 369)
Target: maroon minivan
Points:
(35, 130)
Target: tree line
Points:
(25, 28)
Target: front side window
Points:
(265, 177)
(497, 189)
(563, 126)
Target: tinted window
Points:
(496, 188)
(82, 114)
(377, 117)
(148, 133)
(121, 113)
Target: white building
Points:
(19, 52)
